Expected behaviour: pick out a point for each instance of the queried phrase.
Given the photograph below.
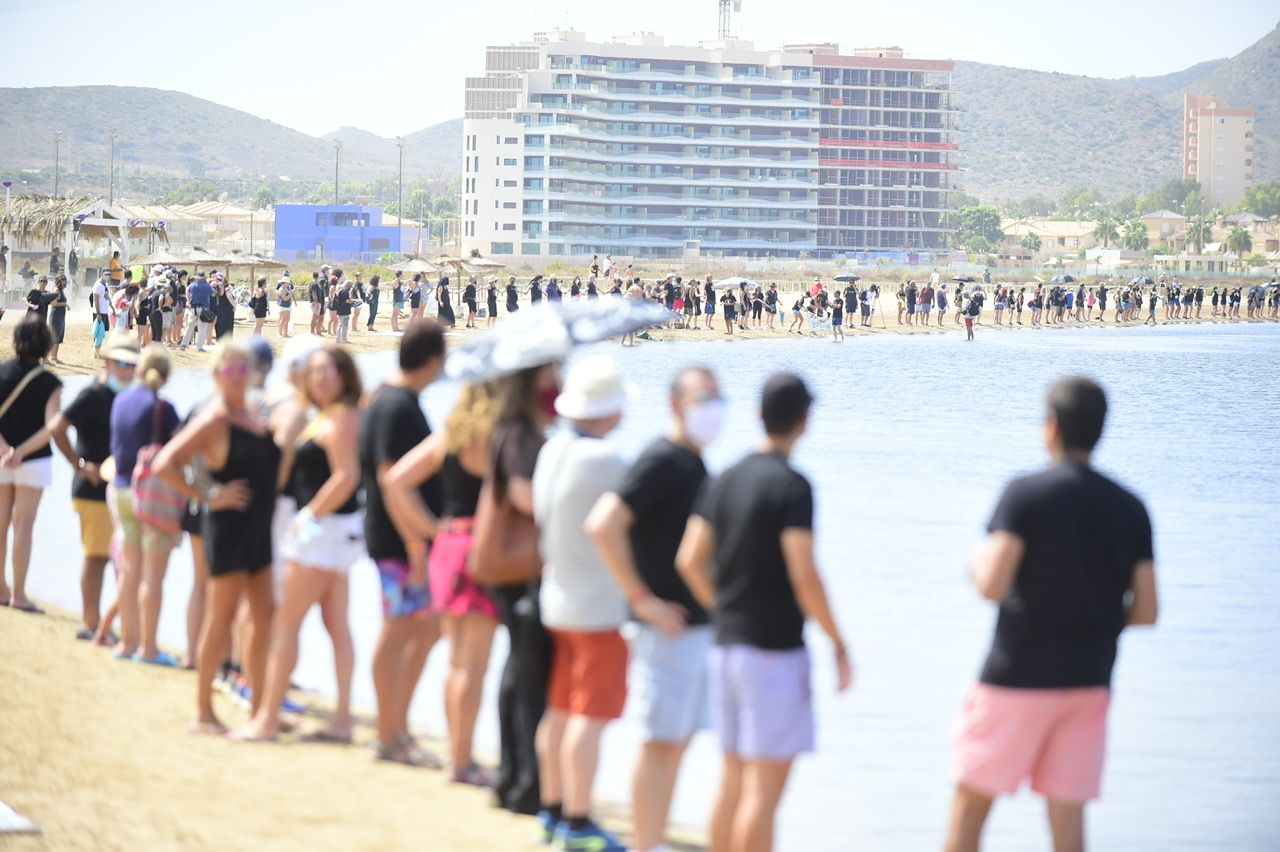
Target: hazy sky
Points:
(395, 67)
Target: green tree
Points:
(979, 245)
(977, 222)
(1135, 236)
(1172, 195)
(263, 198)
(1199, 232)
(1263, 199)
(1080, 203)
(189, 193)
(1106, 231)
(1239, 242)
(1030, 241)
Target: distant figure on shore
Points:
(1039, 710)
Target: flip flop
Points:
(27, 607)
(163, 659)
(84, 634)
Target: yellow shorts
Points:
(95, 526)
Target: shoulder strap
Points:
(22, 385)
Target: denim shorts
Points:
(761, 701)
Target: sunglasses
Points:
(125, 365)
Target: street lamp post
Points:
(337, 155)
(400, 196)
(111, 172)
(57, 146)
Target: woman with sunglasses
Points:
(234, 444)
(321, 544)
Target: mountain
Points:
(1029, 133)
(171, 135)
(1023, 133)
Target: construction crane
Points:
(725, 7)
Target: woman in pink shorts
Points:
(458, 460)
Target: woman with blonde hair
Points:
(459, 459)
(234, 445)
(140, 419)
(323, 541)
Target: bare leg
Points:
(127, 601)
(302, 588)
(262, 605)
(6, 516)
(426, 632)
(471, 640)
(155, 562)
(762, 784)
(220, 609)
(333, 610)
(969, 813)
(196, 605)
(550, 745)
(1066, 822)
(26, 503)
(726, 806)
(91, 591)
(652, 787)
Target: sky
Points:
(396, 67)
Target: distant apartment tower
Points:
(1217, 148)
(635, 148)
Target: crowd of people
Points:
(518, 515)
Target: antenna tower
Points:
(727, 7)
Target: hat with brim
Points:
(595, 388)
(123, 347)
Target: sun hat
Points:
(594, 388)
(123, 347)
(157, 269)
(299, 350)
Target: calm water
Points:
(908, 450)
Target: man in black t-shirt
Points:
(391, 426)
(90, 415)
(638, 530)
(748, 555)
(38, 299)
(1070, 561)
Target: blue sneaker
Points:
(591, 838)
(546, 827)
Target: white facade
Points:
(633, 148)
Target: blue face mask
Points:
(114, 383)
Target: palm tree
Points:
(1239, 242)
(1106, 231)
(1135, 236)
(1199, 232)
(1031, 241)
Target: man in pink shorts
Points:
(1070, 561)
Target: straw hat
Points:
(594, 388)
(123, 347)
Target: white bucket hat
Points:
(594, 388)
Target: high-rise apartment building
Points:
(634, 148)
(1217, 148)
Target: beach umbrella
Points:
(164, 257)
(413, 264)
(847, 278)
(1142, 281)
(964, 279)
(1062, 279)
(546, 333)
(733, 283)
(480, 262)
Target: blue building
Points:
(347, 232)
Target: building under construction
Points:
(635, 148)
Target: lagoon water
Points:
(909, 447)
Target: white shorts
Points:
(33, 473)
(670, 682)
(339, 544)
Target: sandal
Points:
(326, 738)
(162, 658)
(27, 607)
(474, 775)
(405, 750)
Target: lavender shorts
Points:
(761, 701)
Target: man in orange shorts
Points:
(1070, 561)
(582, 605)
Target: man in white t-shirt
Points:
(102, 312)
(582, 605)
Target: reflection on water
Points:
(909, 447)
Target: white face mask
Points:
(703, 420)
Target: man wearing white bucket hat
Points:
(582, 605)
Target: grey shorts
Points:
(669, 681)
(761, 701)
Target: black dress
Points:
(241, 541)
(493, 301)
(224, 313)
(444, 310)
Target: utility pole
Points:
(337, 155)
(400, 195)
(57, 145)
(111, 171)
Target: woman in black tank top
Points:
(321, 544)
(236, 447)
(459, 459)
